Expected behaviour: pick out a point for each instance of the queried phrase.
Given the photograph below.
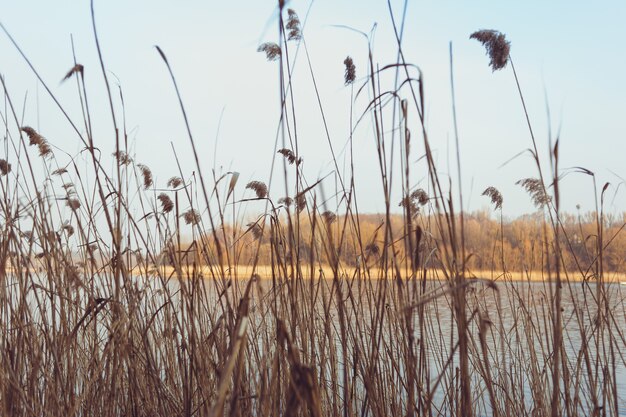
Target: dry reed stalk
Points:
(127, 318)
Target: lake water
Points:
(510, 328)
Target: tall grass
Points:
(104, 312)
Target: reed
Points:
(300, 307)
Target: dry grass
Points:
(92, 322)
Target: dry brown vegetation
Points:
(514, 247)
(346, 322)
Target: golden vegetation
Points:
(104, 310)
(515, 246)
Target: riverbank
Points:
(265, 272)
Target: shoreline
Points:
(264, 272)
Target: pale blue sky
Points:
(569, 51)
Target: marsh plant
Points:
(124, 296)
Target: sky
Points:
(568, 57)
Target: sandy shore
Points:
(265, 272)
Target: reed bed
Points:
(103, 311)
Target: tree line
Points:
(491, 243)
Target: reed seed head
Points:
(272, 50)
(293, 25)
(35, 138)
(411, 201)
(350, 73)
(258, 187)
(44, 149)
(498, 48)
(410, 205)
(290, 156)
(286, 201)
(68, 228)
(300, 202)
(166, 203)
(495, 195)
(122, 158)
(372, 249)
(537, 191)
(256, 230)
(76, 69)
(147, 176)
(73, 203)
(329, 217)
(59, 171)
(52, 237)
(174, 182)
(191, 217)
(420, 196)
(5, 167)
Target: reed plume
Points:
(44, 149)
(33, 137)
(300, 202)
(174, 182)
(73, 203)
(68, 228)
(410, 205)
(76, 69)
(411, 201)
(36, 139)
(122, 158)
(258, 187)
(293, 25)
(534, 187)
(256, 230)
(495, 195)
(286, 201)
(5, 167)
(350, 72)
(191, 216)
(272, 51)
(498, 48)
(166, 203)
(147, 176)
(420, 196)
(372, 249)
(290, 156)
(329, 217)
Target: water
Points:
(510, 335)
